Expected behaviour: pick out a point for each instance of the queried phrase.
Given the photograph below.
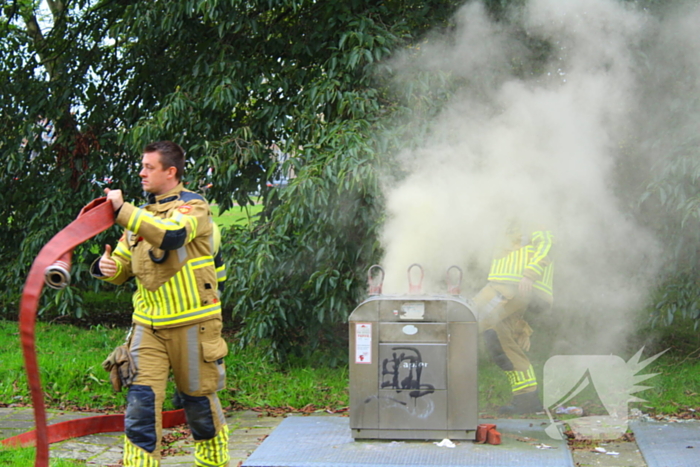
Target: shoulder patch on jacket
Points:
(190, 195)
(185, 208)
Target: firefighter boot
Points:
(527, 403)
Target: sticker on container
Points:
(412, 310)
(363, 342)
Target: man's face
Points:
(154, 178)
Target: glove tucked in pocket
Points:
(121, 367)
(522, 334)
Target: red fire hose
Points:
(53, 262)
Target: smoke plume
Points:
(548, 105)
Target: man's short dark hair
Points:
(171, 155)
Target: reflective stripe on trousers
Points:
(213, 452)
(134, 456)
(196, 355)
(522, 381)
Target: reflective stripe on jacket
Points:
(527, 257)
(167, 247)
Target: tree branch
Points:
(57, 8)
(34, 31)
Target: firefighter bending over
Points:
(520, 279)
(168, 246)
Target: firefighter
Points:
(168, 246)
(520, 280)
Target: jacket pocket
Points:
(213, 369)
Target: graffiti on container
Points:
(403, 372)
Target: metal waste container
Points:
(413, 366)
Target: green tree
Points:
(667, 135)
(234, 82)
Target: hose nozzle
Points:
(57, 276)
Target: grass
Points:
(69, 361)
(25, 457)
(494, 390)
(677, 387)
(237, 215)
(72, 376)
(259, 383)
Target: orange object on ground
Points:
(486, 433)
(482, 432)
(493, 437)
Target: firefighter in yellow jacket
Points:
(520, 279)
(168, 247)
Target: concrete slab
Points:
(327, 441)
(666, 444)
(617, 454)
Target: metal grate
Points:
(326, 441)
(669, 444)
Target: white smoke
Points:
(541, 142)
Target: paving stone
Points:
(241, 452)
(268, 423)
(24, 413)
(248, 429)
(256, 431)
(106, 439)
(9, 432)
(617, 454)
(64, 417)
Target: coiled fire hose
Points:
(52, 266)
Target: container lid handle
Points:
(375, 280)
(453, 288)
(415, 288)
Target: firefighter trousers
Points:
(195, 354)
(506, 334)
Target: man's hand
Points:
(115, 196)
(108, 267)
(525, 286)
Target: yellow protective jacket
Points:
(168, 247)
(526, 256)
